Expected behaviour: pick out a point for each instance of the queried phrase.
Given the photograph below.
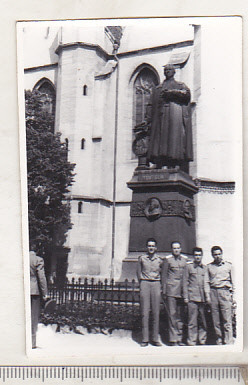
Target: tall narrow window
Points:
(66, 147)
(46, 87)
(82, 144)
(85, 90)
(80, 207)
(143, 85)
(67, 144)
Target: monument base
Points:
(162, 208)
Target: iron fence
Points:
(93, 291)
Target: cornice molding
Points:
(167, 47)
(215, 187)
(89, 46)
(103, 201)
(38, 68)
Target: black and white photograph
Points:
(131, 172)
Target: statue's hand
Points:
(165, 93)
(181, 96)
(179, 92)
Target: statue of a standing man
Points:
(169, 116)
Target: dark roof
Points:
(116, 32)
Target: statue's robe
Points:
(171, 129)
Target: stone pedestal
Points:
(163, 208)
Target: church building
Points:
(98, 75)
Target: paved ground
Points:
(48, 341)
(119, 342)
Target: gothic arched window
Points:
(143, 85)
(46, 87)
(146, 79)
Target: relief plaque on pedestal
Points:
(162, 208)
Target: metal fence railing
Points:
(93, 291)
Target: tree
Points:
(49, 175)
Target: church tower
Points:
(85, 116)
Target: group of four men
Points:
(185, 282)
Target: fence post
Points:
(72, 291)
(133, 295)
(79, 290)
(112, 291)
(92, 290)
(60, 290)
(119, 294)
(126, 292)
(66, 291)
(99, 291)
(85, 289)
(105, 291)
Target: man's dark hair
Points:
(198, 249)
(151, 240)
(215, 248)
(175, 242)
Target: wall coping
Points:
(216, 187)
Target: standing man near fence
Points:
(195, 297)
(148, 272)
(38, 290)
(172, 286)
(220, 287)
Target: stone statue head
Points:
(169, 71)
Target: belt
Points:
(221, 288)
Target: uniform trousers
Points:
(35, 314)
(197, 326)
(221, 304)
(175, 317)
(150, 295)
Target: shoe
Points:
(172, 344)
(156, 343)
(191, 343)
(180, 343)
(219, 341)
(144, 344)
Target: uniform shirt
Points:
(38, 284)
(219, 275)
(172, 275)
(149, 267)
(194, 282)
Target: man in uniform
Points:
(219, 285)
(172, 286)
(148, 272)
(38, 290)
(195, 297)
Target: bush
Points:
(95, 316)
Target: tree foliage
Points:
(49, 174)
